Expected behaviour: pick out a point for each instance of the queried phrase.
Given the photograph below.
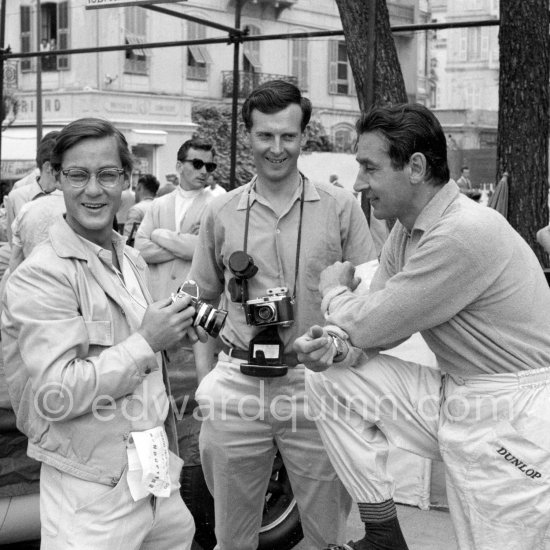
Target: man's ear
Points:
(303, 139)
(418, 168)
(57, 177)
(126, 183)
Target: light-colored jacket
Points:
(169, 250)
(72, 361)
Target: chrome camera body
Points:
(206, 316)
(277, 308)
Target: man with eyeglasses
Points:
(168, 234)
(83, 345)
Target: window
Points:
(299, 62)
(340, 77)
(343, 139)
(54, 35)
(251, 53)
(198, 57)
(136, 60)
(26, 63)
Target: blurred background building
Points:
(149, 94)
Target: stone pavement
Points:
(423, 529)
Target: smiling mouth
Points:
(93, 206)
(276, 161)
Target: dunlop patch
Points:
(519, 464)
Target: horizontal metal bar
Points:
(199, 20)
(248, 38)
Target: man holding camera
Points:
(82, 345)
(262, 248)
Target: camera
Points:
(274, 309)
(206, 316)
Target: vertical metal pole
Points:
(2, 39)
(369, 92)
(38, 75)
(235, 103)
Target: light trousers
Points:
(492, 432)
(83, 515)
(245, 420)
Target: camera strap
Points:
(299, 240)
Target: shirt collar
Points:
(188, 194)
(436, 207)
(102, 253)
(310, 192)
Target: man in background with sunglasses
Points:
(168, 234)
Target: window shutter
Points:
(333, 66)
(299, 62)
(63, 34)
(26, 36)
(463, 45)
(485, 44)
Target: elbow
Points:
(54, 402)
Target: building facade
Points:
(465, 73)
(149, 93)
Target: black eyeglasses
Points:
(198, 164)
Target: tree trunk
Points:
(389, 86)
(522, 142)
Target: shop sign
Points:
(16, 169)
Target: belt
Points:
(289, 359)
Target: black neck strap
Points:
(299, 241)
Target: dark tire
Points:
(281, 527)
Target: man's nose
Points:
(361, 183)
(93, 187)
(276, 146)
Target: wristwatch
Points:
(340, 348)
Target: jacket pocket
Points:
(100, 333)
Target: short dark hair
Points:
(45, 148)
(409, 128)
(85, 128)
(272, 97)
(194, 144)
(149, 183)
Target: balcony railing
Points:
(249, 81)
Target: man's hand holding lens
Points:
(168, 324)
(315, 349)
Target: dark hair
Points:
(409, 128)
(44, 151)
(194, 144)
(149, 183)
(85, 128)
(272, 97)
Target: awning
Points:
(146, 137)
(18, 152)
(138, 40)
(200, 54)
(253, 59)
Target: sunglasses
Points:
(198, 164)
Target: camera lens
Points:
(210, 318)
(265, 314)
